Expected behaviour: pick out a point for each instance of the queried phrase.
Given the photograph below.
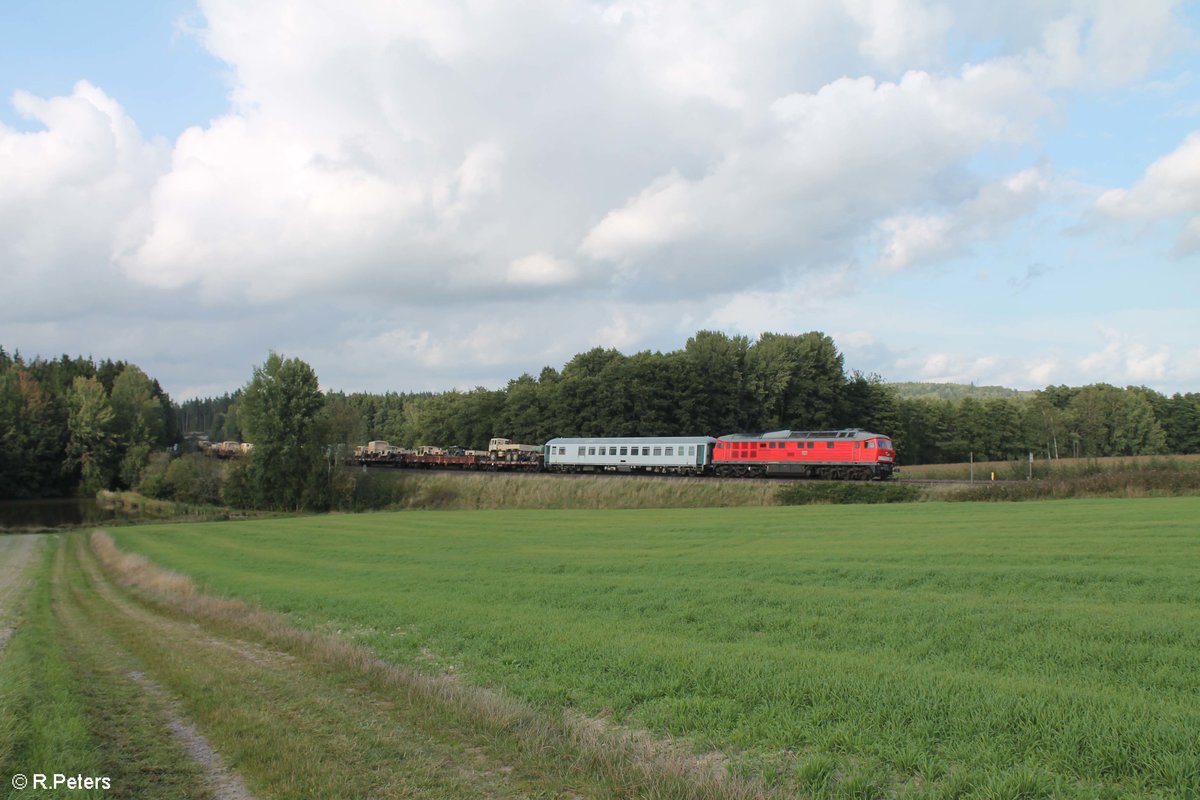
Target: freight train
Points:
(847, 454)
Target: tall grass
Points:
(1138, 482)
(1044, 468)
(382, 489)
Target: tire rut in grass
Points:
(253, 701)
(132, 728)
(17, 555)
(224, 782)
(494, 739)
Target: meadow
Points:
(919, 650)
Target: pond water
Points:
(64, 512)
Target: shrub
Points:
(841, 492)
(195, 478)
(152, 481)
(236, 491)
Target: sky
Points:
(434, 194)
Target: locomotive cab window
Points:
(870, 444)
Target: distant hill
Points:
(954, 391)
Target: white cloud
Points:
(914, 239)
(1169, 188)
(900, 32)
(71, 193)
(666, 164)
(1125, 359)
(791, 308)
(539, 269)
(1106, 43)
(815, 175)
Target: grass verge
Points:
(474, 491)
(44, 722)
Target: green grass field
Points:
(927, 650)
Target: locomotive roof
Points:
(850, 434)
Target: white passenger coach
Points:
(683, 455)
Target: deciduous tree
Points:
(279, 412)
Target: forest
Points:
(75, 426)
(722, 384)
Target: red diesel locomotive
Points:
(850, 454)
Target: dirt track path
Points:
(300, 714)
(233, 694)
(18, 552)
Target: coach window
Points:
(670, 451)
(658, 451)
(592, 451)
(582, 451)
(691, 449)
(624, 451)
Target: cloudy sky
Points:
(430, 194)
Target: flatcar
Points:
(848, 454)
(668, 455)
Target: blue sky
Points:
(139, 52)
(431, 195)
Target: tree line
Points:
(1055, 422)
(721, 384)
(715, 384)
(76, 425)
